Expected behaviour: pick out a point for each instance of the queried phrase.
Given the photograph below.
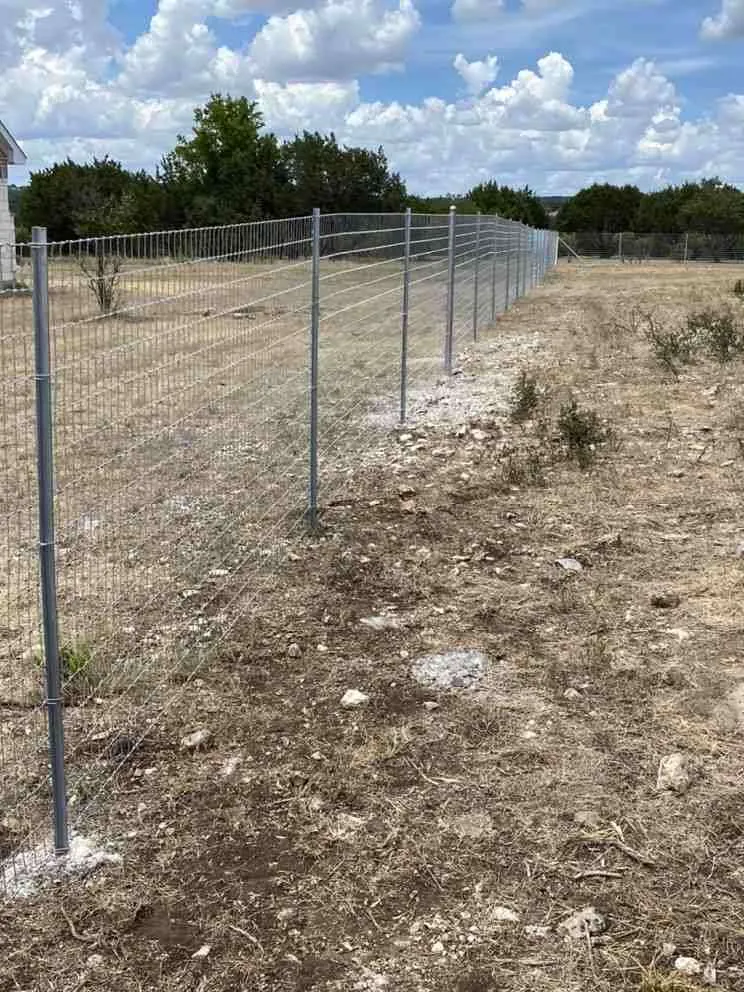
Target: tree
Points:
(228, 171)
(100, 198)
(601, 208)
(513, 204)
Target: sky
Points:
(555, 94)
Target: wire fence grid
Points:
(628, 247)
(175, 408)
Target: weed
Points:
(718, 332)
(739, 288)
(582, 432)
(74, 660)
(656, 981)
(523, 469)
(671, 347)
(103, 273)
(525, 398)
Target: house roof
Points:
(13, 151)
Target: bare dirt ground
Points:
(422, 848)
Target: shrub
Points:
(739, 288)
(582, 432)
(671, 347)
(718, 332)
(103, 273)
(525, 398)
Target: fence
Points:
(206, 392)
(629, 247)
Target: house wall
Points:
(7, 229)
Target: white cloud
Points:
(69, 87)
(476, 75)
(728, 23)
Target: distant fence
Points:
(629, 247)
(174, 407)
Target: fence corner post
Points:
(450, 325)
(404, 315)
(312, 511)
(47, 558)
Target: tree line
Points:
(709, 207)
(230, 170)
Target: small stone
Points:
(192, 742)
(353, 698)
(582, 922)
(570, 565)
(673, 774)
(688, 966)
(478, 435)
(437, 947)
(536, 932)
(452, 670)
(665, 601)
(431, 705)
(572, 694)
(740, 549)
(668, 950)
(294, 651)
(94, 960)
(230, 766)
(204, 951)
(502, 914)
(381, 622)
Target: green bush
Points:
(718, 332)
(525, 398)
(582, 432)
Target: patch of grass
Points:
(718, 332)
(656, 981)
(582, 431)
(525, 398)
(524, 469)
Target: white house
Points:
(10, 154)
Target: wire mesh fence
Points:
(209, 391)
(628, 247)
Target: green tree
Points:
(98, 198)
(601, 208)
(514, 204)
(227, 171)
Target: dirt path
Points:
(434, 841)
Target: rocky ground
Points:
(485, 731)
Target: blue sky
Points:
(556, 93)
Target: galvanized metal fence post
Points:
(620, 246)
(476, 274)
(47, 562)
(494, 262)
(507, 293)
(450, 327)
(687, 248)
(404, 315)
(312, 512)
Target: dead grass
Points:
(342, 849)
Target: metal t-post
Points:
(620, 246)
(450, 326)
(404, 314)
(312, 512)
(47, 562)
(476, 274)
(687, 248)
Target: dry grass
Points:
(349, 848)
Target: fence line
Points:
(629, 247)
(192, 400)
